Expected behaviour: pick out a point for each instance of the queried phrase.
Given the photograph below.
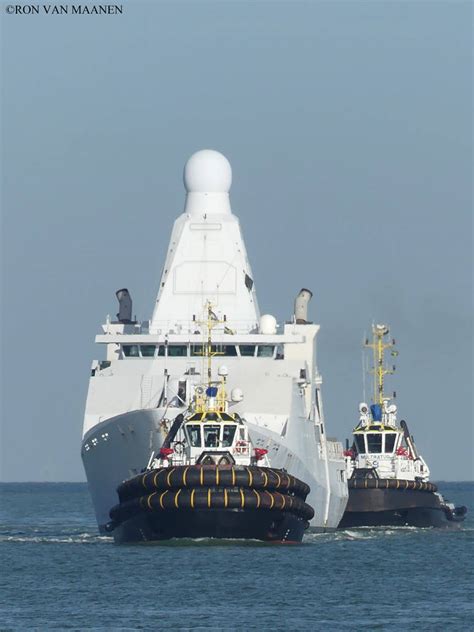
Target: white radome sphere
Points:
(236, 395)
(207, 171)
(268, 324)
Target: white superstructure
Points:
(152, 367)
(381, 444)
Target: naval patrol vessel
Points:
(152, 369)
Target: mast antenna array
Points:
(209, 350)
(380, 370)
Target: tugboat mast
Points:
(215, 396)
(378, 345)
(210, 323)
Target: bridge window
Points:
(374, 442)
(265, 351)
(177, 351)
(130, 351)
(211, 436)
(228, 436)
(229, 350)
(390, 441)
(225, 350)
(247, 350)
(161, 350)
(147, 351)
(194, 435)
(359, 439)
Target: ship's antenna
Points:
(211, 321)
(378, 345)
(210, 325)
(363, 374)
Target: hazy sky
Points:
(348, 127)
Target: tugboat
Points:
(387, 477)
(209, 481)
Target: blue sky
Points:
(348, 126)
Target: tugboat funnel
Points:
(301, 306)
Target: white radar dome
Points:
(268, 324)
(236, 395)
(207, 171)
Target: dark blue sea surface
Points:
(58, 573)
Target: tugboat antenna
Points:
(209, 343)
(211, 321)
(364, 368)
(380, 370)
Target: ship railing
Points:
(334, 449)
(195, 326)
(241, 449)
(178, 460)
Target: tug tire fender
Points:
(390, 483)
(195, 476)
(204, 498)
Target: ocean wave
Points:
(37, 537)
(360, 533)
(371, 533)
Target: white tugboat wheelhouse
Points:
(153, 369)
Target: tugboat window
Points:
(374, 442)
(147, 351)
(265, 351)
(175, 351)
(359, 439)
(130, 351)
(226, 417)
(228, 436)
(194, 436)
(247, 350)
(161, 350)
(211, 436)
(211, 417)
(389, 442)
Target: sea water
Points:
(58, 573)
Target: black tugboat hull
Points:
(398, 507)
(211, 501)
(265, 525)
